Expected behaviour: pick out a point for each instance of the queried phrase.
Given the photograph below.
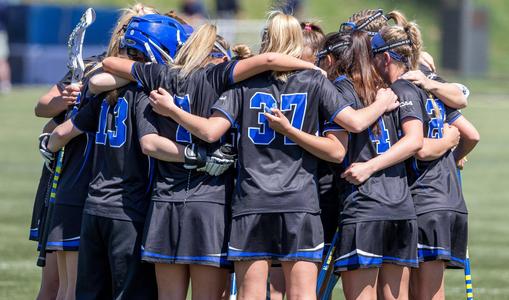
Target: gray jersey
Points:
(121, 176)
(385, 195)
(434, 184)
(194, 94)
(274, 173)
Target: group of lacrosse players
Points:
(256, 176)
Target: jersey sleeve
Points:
(87, 118)
(221, 76)
(409, 99)
(146, 121)
(229, 104)
(150, 76)
(332, 102)
(451, 114)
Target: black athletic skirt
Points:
(370, 244)
(443, 235)
(190, 233)
(65, 228)
(276, 236)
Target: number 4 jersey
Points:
(275, 174)
(385, 195)
(121, 172)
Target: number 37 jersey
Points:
(274, 173)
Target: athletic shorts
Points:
(186, 233)
(65, 228)
(443, 235)
(109, 261)
(370, 244)
(39, 209)
(276, 236)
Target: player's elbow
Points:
(108, 64)
(147, 145)
(423, 155)
(210, 137)
(473, 136)
(337, 156)
(94, 85)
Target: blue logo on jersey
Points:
(182, 134)
(382, 140)
(118, 136)
(436, 125)
(264, 135)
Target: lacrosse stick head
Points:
(75, 45)
(157, 37)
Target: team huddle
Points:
(190, 162)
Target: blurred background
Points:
(467, 39)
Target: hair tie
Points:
(308, 27)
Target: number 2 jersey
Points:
(435, 184)
(194, 94)
(275, 174)
(120, 183)
(385, 195)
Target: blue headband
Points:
(378, 45)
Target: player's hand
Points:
(388, 97)
(427, 60)
(418, 78)
(220, 160)
(278, 121)
(47, 155)
(461, 163)
(162, 102)
(215, 162)
(71, 93)
(452, 135)
(358, 173)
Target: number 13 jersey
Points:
(275, 174)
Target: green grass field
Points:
(485, 182)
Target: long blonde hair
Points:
(283, 34)
(196, 51)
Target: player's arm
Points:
(469, 137)
(359, 120)
(56, 100)
(103, 82)
(257, 64)
(209, 130)
(406, 147)
(62, 134)
(434, 148)
(450, 93)
(331, 147)
(162, 148)
(119, 66)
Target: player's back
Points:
(275, 174)
(121, 172)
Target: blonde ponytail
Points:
(195, 52)
(282, 35)
(242, 51)
(398, 17)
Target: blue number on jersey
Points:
(264, 135)
(297, 102)
(118, 137)
(382, 140)
(183, 135)
(436, 125)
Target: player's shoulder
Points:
(405, 88)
